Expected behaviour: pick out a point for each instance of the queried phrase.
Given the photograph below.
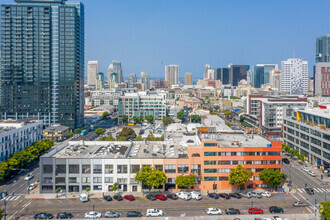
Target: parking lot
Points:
(169, 207)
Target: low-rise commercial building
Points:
(56, 132)
(17, 135)
(190, 103)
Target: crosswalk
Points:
(11, 198)
(316, 190)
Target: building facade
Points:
(275, 79)
(17, 135)
(42, 61)
(92, 71)
(323, 49)
(131, 80)
(172, 74)
(115, 67)
(237, 73)
(145, 80)
(308, 132)
(222, 74)
(188, 79)
(100, 81)
(261, 74)
(294, 77)
(322, 79)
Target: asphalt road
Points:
(27, 208)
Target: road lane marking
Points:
(309, 209)
(17, 197)
(328, 190)
(300, 190)
(323, 190)
(316, 190)
(308, 202)
(12, 198)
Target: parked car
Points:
(224, 195)
(235, 195)
(278, 218)
(184, 195)
(213, 195)
(286, 160)
(31, 186)
(312, 173)
(266, 194)
(64, 215)
(232, 211)
(107, 198)
(275, 209)
(161, 197)
(255, 211)
(245, 195)
(172, 196)
(129, 197)
(196, 195)
(154, 213)
(28, 177)
(111, 214)
(304, 168)
(256, 194)
(134, 214)
(43, 216)
(213, 211)
(151, 197)
(299, 204)
(93, 215)
(310, 191)
(118, 197)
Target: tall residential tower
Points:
(172, 74)
(294, 76)
(92, 70)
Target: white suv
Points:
(28, 177)
(184, 195)
(266, 194)
(213, 211)
(154, 213)
(196, 195)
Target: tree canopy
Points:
(167, 121)
(185, 181)
(180, 115)
(272, 177)
(125, 118)
(151, 177)
(108, 138)
(105, 114)
(126, 134)
(150, 119)
(99, 131)
(195, 118)
(138, 120)
(239, 176)
(151, 137)
(325, 209)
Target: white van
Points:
(83, 197)
(196, 195)
(184, 195)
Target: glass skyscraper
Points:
(261, 74)
(42, 63)
(323, 49)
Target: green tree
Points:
(108, 138)
(150, 137)
(185, 181)
(239, 176)
(195, 118)
(125, 119)
(167, 121)
(87, 190)
(126, 133)
(325, 209)
(180, 115)
(57, 191)
(105, 114)
(68, 135)
(138, 120)
(1, 214)
(241, 118)
(150, 177)
(272, 177)
(115, 187)
(99, 131)
(138, 138)
(150, 119)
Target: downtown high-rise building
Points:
(100, 81)
(222, 74)
(172, 74)
(42, 63)
(321, 75)
(261, 73)
(145, 80)
(131, 80)
(323, 49)
(237, 73)
(188, 79)
(294, 76)
(115, 67)
(275, 79)
(92, 71)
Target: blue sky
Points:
(191, 33)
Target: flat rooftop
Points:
(321, 112)
(235, 139)
(9, 125)
(121, 150)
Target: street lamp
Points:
(252, 207)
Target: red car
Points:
(161, 197)
(129, 197)
(255, 211)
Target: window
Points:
(224, 170)
(121, 168)
(85, 179)
(248, 162)
(210, 144)
(73, 180)
(97, 187)
(135, 168)
(74, 168)
(210, 162)
(60, 168)
(108, 168)
(223, 178)
(195, 168)
(132, 181)
(210, 178)
(316, 133)
(48, 180)
(258, 170)
(210, 170)
(170, 168)
(183, 168)
(86, 169)
(195, 155)
(249, 153)
(224, 162)
(316, 150)
(60, 180)
(48, 168)
(274, 153)
(108, 179)
(159, 167)
(209, 153)
(122, 180)
(134, 188)
(97, 179)
(97, 168)
(316, 141)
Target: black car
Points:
(107, 198)
(134, 214)
(224, 195)
(310, 191)
(43, 216)
(235, 195)
(285, 160)
(64, 215)
(172, 196)
(275, 209)
(213, 195)
(118, 197)
(232, 211)
(151, 197)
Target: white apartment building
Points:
(275, 79)
(294, 76)
(17, 135)
(103, 97)
(92, 71)
(172, 74)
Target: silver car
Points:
(256, 194)
(111, 214)
(245, 195)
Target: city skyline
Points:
(194, 36)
